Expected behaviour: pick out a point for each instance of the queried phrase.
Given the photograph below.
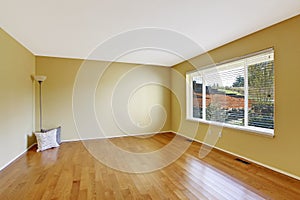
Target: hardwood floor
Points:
(71, 172)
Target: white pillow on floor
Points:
(46, 140)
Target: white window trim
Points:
(189, 100)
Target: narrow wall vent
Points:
(243, 161)
(189, 140)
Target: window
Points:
(237, 93)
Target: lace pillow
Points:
(46, 140)
(58, 130)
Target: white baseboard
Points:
(248, 159)
(114, 136)
(15, 158)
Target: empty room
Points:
(149, 100)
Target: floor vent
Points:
(189, 140)
(243, 161)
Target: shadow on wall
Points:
(31, 139)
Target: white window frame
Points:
(189, 96)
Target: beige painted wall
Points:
(282, 151)
(57, 93)
(17, 65)
(117, 80)
(133, 99)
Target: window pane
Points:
(225, 94)
(197, 97)
(261, 94)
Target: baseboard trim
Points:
(15, 158)
(114, 136)
(243, 157)
(140, 134)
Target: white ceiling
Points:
(74, 28)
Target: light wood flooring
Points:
(71, 172)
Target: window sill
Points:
(254, 130)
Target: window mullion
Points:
(246, 93)
(203, 97)
(190, 97)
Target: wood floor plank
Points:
(71, 172)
